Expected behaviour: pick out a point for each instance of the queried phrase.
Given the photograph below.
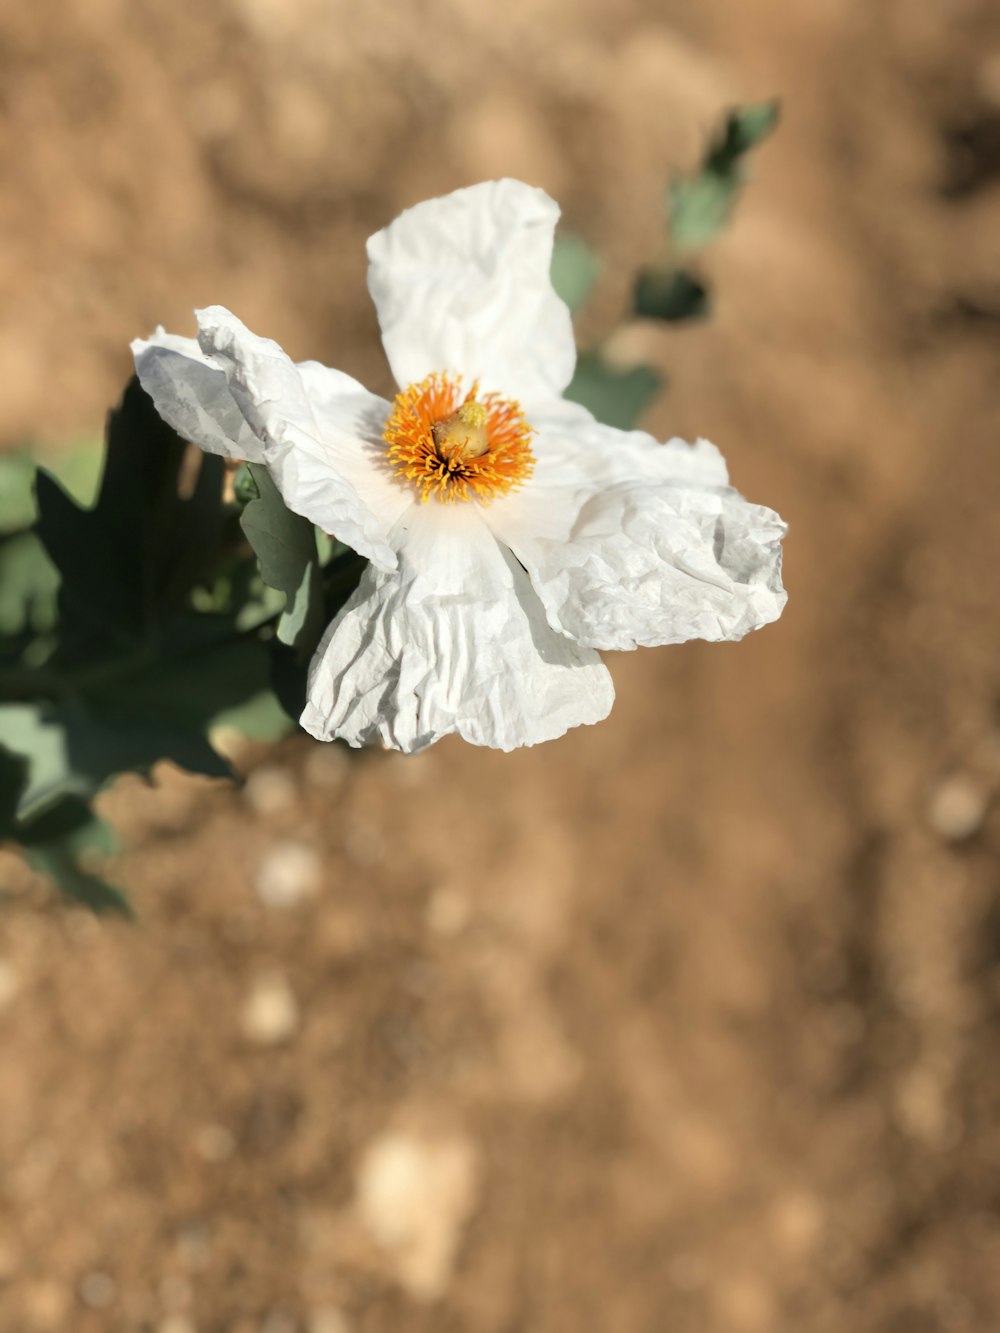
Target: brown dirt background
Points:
(686, 1022)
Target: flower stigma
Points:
(464, 432)
(458, 446)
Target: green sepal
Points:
(285, 546)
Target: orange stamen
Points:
(436, 462)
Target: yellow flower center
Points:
(457, 446)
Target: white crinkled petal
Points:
(454, 641)
(648, 565)
(669, 554)
(577, 457)
(191, 393)
(462, 284)
(565, 431)
(321, 435)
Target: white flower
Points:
(509, 534)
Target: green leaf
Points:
(616, 397)
(185, 693)
(700, 208)
(77, 467)
(35, 734)
(673, 294)
(29, 587)
(701, 205)
(55, 841)
(130, 561)
(54, 844)
(17, 499)
(168, 710)
(138, 674)
(72, 750)
(13, 776)
(285, 545)
(575, 270)
(745, 128)
(244, 486)
(164, 707)
(289, 674)
(238, 593)
(261, 717)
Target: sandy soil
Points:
(685, 1022)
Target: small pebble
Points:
(415, 1196)
(957, 808)
(271, 1013)
(214, 1143)
(923, 1107)
(97, 1290)
(447, 912)
(176, 1323)
(289, 873)
(270, 791)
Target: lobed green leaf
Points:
(56, 842)
(700, 206)
(616, 397)
(29, 587)
(673, 295)
(575, 270)
(131, 560)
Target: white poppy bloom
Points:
(509, 534)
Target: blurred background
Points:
(687, 1021)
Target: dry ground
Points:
(687, 1022)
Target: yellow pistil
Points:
(464, 433)
(455, 446)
